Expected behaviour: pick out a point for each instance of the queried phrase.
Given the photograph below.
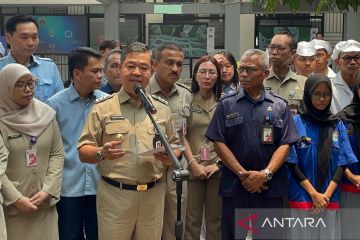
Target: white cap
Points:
(345, 46)
(321, 44)
(305, 49)
(2, 49)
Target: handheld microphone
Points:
(148, 105)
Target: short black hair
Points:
(171, 46)
(19, 18)
(108, 43)
(293, 41)
(137, 47)
(79, 58)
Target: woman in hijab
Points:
(32, 181)
(3, 162)
(316, 163)
(350, 185)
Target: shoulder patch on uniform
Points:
(160, 99)
(102, 99)
(277, 96)
(183, 86)
(228, 95)
(45, 59)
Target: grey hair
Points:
(263, 57)
(134, 47)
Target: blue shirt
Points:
(107, 88)
(347, 185)
(304, 154)
(238, 123)
(79, 179)
(46, 72)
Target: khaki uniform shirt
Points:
(21, 180)
(179, 102)
(3, 162)
(199, 120)
(116, 116)
(291, 89)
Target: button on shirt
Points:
(342, 94)
(79, 179)
(46, 72)
(237, 123)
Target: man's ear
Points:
(266, 73)
(76, 74)
(8, 38)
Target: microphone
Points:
(144, 99)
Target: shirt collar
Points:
(290, 74)
(155, 88)
(123, 96)
(33, 59)
(73, 93)
(265, 95)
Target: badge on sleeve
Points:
(31, 158)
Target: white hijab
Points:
(31, 120)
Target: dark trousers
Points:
(77, 218)
(244, 201)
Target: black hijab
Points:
(351, 114)
(324, 120)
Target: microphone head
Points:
(137, 87)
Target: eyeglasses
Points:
(204, 72)
(249, 70)
(22, 85)
(279, 48)
(348, 59)
(319, 95)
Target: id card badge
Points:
(205, 152)
(267, 134)
(31, 158)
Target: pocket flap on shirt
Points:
(114, 127)
(233, 122)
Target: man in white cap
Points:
(346, 55)
(304, 59)
(323, 54)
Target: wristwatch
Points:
(99, 155)
(268, 173)
(219, 163)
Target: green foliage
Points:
(342, 5)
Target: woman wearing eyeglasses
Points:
(32, 180)
(204, 165)
(350, 185)
(316, 162)
(229, 75)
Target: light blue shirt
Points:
(79, 179)
(46, 72)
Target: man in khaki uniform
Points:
(282, 80)
(118, 136)
(3, 163)
(168, 64)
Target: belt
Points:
(138, 187)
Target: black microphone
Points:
(144, 99)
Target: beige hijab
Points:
(31, 120)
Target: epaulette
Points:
(102, 99)
(277, 96)
(44, 59)
(160, 99)
(183, 86)
(228, 95)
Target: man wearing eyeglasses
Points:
(346, 55)
(252, 130)
(22, 35)
(282, 80)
